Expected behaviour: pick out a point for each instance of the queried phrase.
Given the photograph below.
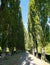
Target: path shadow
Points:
(25, 60)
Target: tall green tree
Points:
(37, 19)
(34, 26)
(3, 24)
(11, 24)
(20, 33)
(43, 14)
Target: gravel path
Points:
(28, 59)
(24, 58)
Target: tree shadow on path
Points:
(25, 60)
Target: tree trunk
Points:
(33, 51)
(11, 50)
(36, 49)
(3, 55)
(43, 57)
(37, 52)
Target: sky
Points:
(24, 5)
(48, 22)
(0, 2)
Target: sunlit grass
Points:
(7, 49)
(47, 49)
(14, 48)
(0, 48)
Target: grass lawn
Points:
(47, 49)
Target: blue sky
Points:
(24, 5)
(48, 22)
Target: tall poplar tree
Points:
(11, 24)
(37, 19)
(42, 6)
(34, 26)
(20, 33)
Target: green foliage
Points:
(37, 19)
(34, 26)
(7, 50)
(11, 25)
(47, 32)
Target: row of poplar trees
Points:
(37, 19)
(11, 25)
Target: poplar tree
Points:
(34, 26)
(37, 19)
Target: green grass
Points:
(7, 49)
(47, 49)
(0, 48)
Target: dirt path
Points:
(38, 61)
(24, 58)
(28, 59)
